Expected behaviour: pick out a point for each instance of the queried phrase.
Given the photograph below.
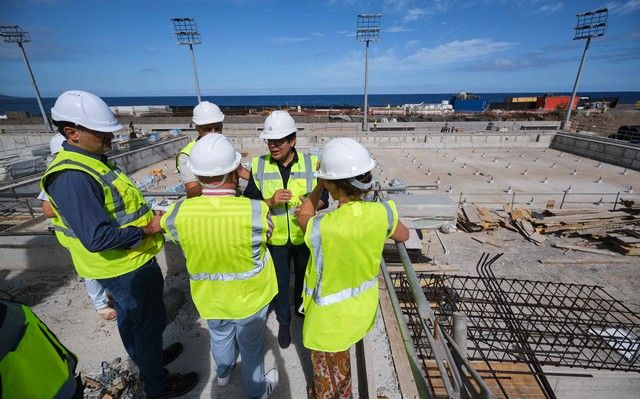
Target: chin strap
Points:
(224, 180)
(358, 184)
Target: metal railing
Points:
(459, 377)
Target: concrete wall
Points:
(600, 149)
(129, 162)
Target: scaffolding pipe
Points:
(421, 381)
(442, 351)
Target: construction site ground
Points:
(61, 301)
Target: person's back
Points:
(348, 243)
(224, 242)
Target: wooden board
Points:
(516, 385)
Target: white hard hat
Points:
(55, 145)
(85, 109)
(343, 158)
(206, 113)
(278, 124)
(213, 155)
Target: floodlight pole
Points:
(15, 34)
(35, 87)
(195, 73)
(589, 25)
(368, 30)
(186, 31)
(365, 124)
(567, 121)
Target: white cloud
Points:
(624, 8)
(455, 53)
(551, 8)
(287, 39)
(413, 14)
(398, 29)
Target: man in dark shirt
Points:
(280, 178)
(112, 238)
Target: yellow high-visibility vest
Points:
(186, 150)
(223, 239)
(301, 182)
(33, 362)
(125, 206)
(340, 294)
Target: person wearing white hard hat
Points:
(208, 118)
(112, 235)
(281, 179)
(96, 291)
(231, 273)
(340, 297)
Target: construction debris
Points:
(115, 381)
(619, 230)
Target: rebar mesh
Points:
(529, 321)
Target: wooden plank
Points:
(584, 249)
(563, 261)
(414, 241)
(580, 218)
(399, 355)
(471, 214)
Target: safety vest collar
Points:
(316, 248)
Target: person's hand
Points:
(281, 196)
(154, 224)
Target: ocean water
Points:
(321, 101)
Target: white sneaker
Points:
(271, 377)
(222, 381)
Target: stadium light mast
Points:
(368, 30)
(15, 34)
(590, 24)
(187, 33)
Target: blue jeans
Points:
(97, 293)
(246, 336)
(137, 296)
(282, 256)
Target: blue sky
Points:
(128, 48)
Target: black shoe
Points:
(284, 337)
(179, 384)
(171, 353)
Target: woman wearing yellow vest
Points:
(340, 295)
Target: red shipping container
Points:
(552, 103)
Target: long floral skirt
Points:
(331, 375)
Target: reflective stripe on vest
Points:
(267, 177)
(121, 216)
(256, 243)
(261, 176)
(316, 242)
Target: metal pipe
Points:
(35, 87)
(567, 121)
(365, 126)
(195, 72)
(422, 383)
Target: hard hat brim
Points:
(205, 121)
(275, 135)
(218, 172)
(346, 175)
